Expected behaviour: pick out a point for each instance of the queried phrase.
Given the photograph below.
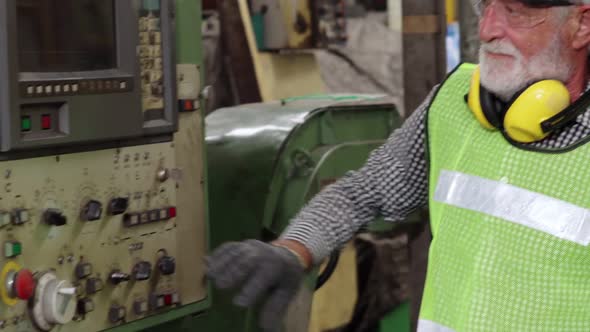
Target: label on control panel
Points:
(189, 81)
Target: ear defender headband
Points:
(532, 115)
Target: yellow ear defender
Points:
(532, 114)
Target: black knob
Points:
(85, 306)
(94, 285)
(83, 270)
(92, 211)
(142, 271)
(167, 265)
(54, 217)
(118, 205)
(117, 277)
(117, 313)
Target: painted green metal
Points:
(266, 160)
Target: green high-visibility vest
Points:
(511, 227)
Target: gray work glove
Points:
(263, 270)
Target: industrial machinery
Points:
(266, 160)
(295, 25)
(102, 213)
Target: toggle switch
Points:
(116, 277)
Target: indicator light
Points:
(45, 121)
(25, 124)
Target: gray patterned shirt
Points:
(392, 184)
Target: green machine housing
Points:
(266, 160)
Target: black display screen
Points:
(66, 35)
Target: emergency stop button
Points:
(16, 284)
(24, 284)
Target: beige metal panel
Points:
(67, 182)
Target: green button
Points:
(12, 249)
(25, 123)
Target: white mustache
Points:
(500, 48)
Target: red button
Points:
(172, 212)
(24, 284)
(188, 105)
(168, 299)
(45, 121)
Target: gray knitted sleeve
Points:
(392, 184)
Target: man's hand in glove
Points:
(274, 271)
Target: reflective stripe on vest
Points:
(430, 326)
(527, 208)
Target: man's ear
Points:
(582, 36)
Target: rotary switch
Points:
(142, 271)
(166, 264)
(54, 302)
(54, 217)
(118, 205)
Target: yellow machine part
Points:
(281, 75)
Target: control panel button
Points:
(130, 219)
(54, 217)
(171, 212)
(5, 218)
(118, 205)
(25, 123)
(162, 174)
(159, 301)
(142, 271)
(171, 299)
(20, 216)
(12, 249)
(92, 211)
(94, 285)
(116, 277)
(83, 270)
(117, 313)
(140, 307)
(46, 121)
(85, 306)
(23, 285)
(167, 265)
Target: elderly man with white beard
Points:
(498, 153)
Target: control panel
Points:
(102, 204)
(96, 239)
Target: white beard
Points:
(505, 77)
